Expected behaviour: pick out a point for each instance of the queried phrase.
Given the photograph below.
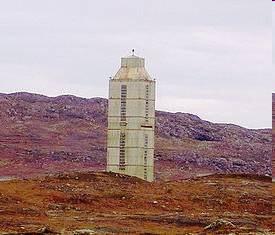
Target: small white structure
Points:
(131, 120)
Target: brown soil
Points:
(109, 203)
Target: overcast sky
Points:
(210, 58)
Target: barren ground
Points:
(108, 203)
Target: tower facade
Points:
(131, 120)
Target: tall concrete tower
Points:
(131, 120)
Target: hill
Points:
(42, 135)
(106, 203)
(273, 133)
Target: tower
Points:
(131, 120)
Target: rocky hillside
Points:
(41, 134)
(273, 134)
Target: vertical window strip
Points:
(146, 103)
(122, 151)
(145, 155)
(123, 95)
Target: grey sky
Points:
(210, 58)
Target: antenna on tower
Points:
(133, 52)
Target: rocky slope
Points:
(41, 134)
(106, 203)
(273, 134)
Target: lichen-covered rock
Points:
(218, 224)
(83, 232)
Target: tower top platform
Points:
(132, 62)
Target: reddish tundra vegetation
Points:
(108, 203)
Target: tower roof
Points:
(132, 67)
